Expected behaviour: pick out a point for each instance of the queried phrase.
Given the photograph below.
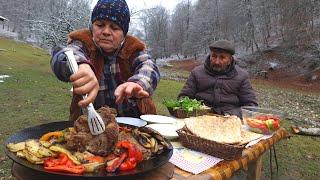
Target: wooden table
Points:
(251, 161)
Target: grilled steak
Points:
(102, 144)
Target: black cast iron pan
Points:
(36, 132)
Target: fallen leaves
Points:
(311, 157)
(2, 158)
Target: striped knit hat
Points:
(113, 10)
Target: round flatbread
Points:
(221, 129)
(248, 136)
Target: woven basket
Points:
(180, 113)
(223, 151)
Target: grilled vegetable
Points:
(63, 163)
(150, 139)
(134, 155)
(128, 165)
(56, 134)
(91, 167)
(32, 150)
(45, 143)
(16, 147)
(45, 152)
(21, 154)
(113, 165)
(92, 159)
(61, 149)
(33, 147)
(31, 157)
(263, 124)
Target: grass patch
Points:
(167, 89)
(32, 96)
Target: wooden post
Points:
(254, 169)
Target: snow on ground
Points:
(166, 61)
(2, 77)
(8, 34)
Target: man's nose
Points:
(216, 60)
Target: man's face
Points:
(107, 35)
(220, 60)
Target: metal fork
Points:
(95, 122)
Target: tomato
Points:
(266, 117)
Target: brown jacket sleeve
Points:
(247, 95)
(189, 89)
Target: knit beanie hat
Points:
(113, 10)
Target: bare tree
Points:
(156, 28)
(180, 22)
(48, 21)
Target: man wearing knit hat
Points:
(114, 69)
(220, 83)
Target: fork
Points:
(95, 122)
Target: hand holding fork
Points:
(95, 122)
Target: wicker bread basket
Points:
(224, 151)
(180, 113)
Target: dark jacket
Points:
(225, 92)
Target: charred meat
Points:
(102, 144)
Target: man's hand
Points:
(128, 90)
(84, 82)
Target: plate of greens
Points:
(186, 107)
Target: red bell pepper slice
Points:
(69, 169)
(62, 163)
(98, 159)
(128, 165)
(116, 163)
(133, 152)
(134, 155)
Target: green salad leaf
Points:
(184, 103)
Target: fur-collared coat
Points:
(125, 58)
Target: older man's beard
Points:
(219, 68)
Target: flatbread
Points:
(221, 129)
(248, 136)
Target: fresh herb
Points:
(185, 103)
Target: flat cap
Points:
(223, 45)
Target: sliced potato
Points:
(39, 162)
(21, 154)
(32, 158)
(16, 147)
(45, 144)
(81, 156)
(33, 147)
(61, 149)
